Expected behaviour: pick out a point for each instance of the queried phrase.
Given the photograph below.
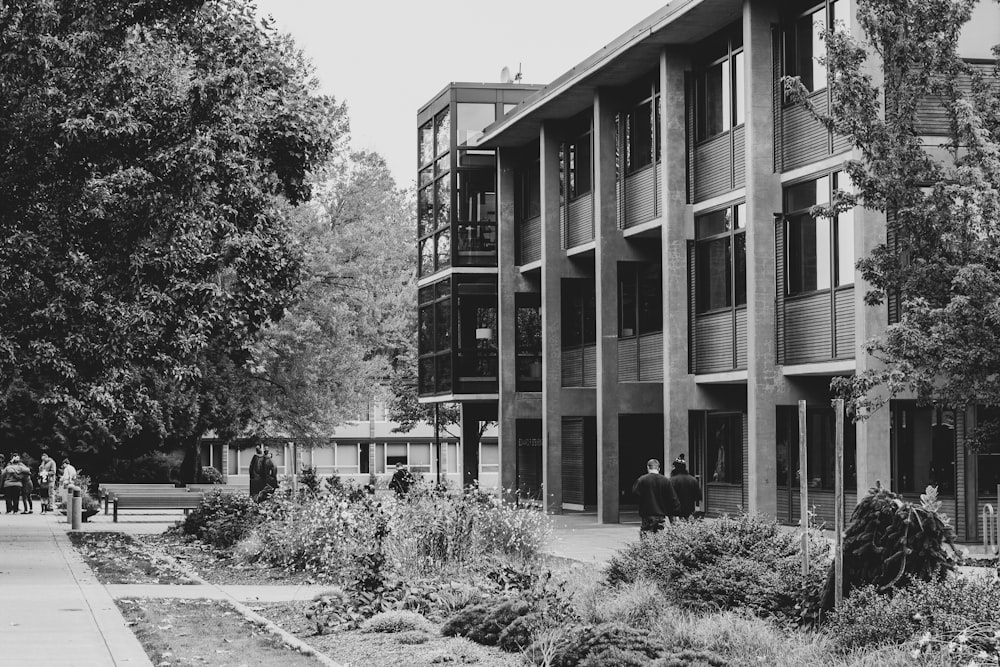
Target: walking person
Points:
(47, 482)
(686, 487)
(657, 499)
(269, 475)
(256, 479)
(10, 480)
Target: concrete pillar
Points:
(607, 244)
(874, 448)
(225, 462)
(678, 226)
(763, 186)
(553, 261)
(506, 317)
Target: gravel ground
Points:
(356, 647)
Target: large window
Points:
(803, 41)
(719, 86)
(721, 258)
(640, 299)
(434, 338)
(819, 251)
(724, 453)
(640, 127)
(577, 166)
(476, 231)
(528, 340)
(923, 448)
(988, 459)
(434, 195)
(820, 448)
(579, 313)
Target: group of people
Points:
(663, 499)
(263, 475)
(18, 482)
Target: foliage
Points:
(943, 204)
(741, 562)
(222, 519)
(210, 475)
(309, 480)
(571, 645)
(638, 604)
(689, 658)
(396, 621)
(938, 611)
(891, 542)
(336, 347)
(152, 468)
(484, 623)
(148, 151)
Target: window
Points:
(988, 459)
(434, 337)
(724, 440)
(577, 166)
(820, 448)
(528, 341)
(640, 300)
(472, 118)
(719, 86)
(819, 252)
(434, 196)
(923, 448)
(804, 45)
(476, 217)
(720, 259)
(579, 313)
(639, 126)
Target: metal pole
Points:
(838, 516)
(803, 488)
(77, 508)
(437, 440)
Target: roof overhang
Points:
(680, 23)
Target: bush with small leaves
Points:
(222, 519)
(615, 657)
(396, 621)
(575, 643)
(483, 623)
(519, 634)
(412, 637)
(690, 658)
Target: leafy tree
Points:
(943, 204)
(148, 149)
(337, 346)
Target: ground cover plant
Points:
(173, 632)
(117, 558)
(742, 562)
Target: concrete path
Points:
(53, 612)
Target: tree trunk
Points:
(191, 466)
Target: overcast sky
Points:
(386, 59)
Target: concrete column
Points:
(763, 186)
(874, 450)
(678, 226)
(553, 261)
(506, 318)
(470, 444)
(607, 242)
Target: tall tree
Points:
(148, 149)
(338, 344)
(942, 204)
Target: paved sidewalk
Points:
(53, 612)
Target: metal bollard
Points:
(77, 508)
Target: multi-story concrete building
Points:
(654, 283)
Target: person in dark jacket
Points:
(256, 477)
(686, 487)
(402, 480)
(269, 474)
(657, 499)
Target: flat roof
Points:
(681, 22)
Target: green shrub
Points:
(615, 657)
(396, 621)
(890, 542)
(744, 561)
(571, 645)
(689, 658)
(210, 475)
(519, 634)
(153, 468)
(941, 611)
(412, 637)
(639, 604)
(484, 623)
(222, 519)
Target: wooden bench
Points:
(106, 492)
(221, 488)
(180, 499)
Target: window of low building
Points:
(819, 252)
(724, 453)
